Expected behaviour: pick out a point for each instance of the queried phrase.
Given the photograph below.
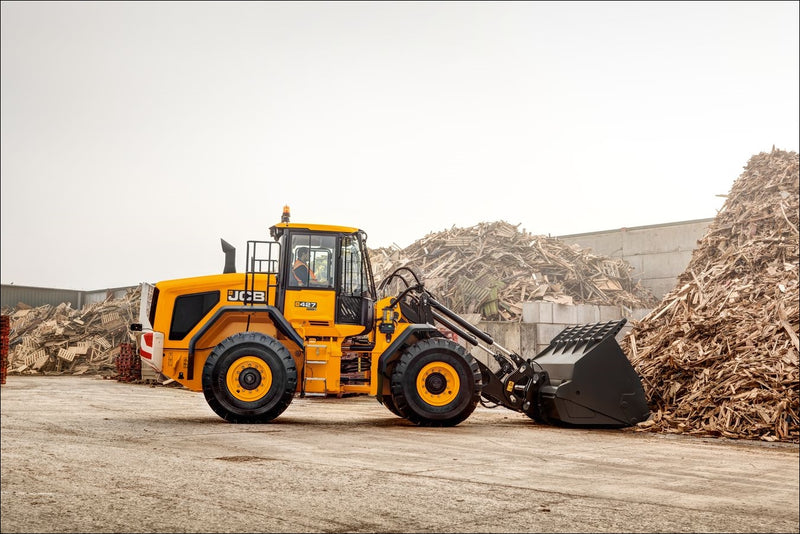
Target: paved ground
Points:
(82, 454)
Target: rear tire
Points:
(249, 378)
(436, 383)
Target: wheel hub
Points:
(435, 383)
(248, 378)
(438, 383)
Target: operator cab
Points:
(325, 274)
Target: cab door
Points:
(310, 278)
(355, 286)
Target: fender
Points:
(392, 352)
(283, 326)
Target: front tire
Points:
(388, 401)
(249, 378)
(436, 383)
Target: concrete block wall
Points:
(658, 253)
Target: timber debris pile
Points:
(5, 328)
(57, 340)
(493, 267)
(719, 355)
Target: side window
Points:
(312, 262)
(353, 281)
(189, 310)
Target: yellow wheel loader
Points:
(306, 318)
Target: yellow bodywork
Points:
(310, 312)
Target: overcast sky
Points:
(136, 135)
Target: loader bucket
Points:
(591, 381)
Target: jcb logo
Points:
(310, 306)
(237, 295)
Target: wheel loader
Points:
(306, 318)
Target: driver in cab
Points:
(301, 272)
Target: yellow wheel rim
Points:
(249, 378)
(438, 384)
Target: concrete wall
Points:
(658, 253)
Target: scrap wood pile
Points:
(719, 355)
(492, 268)
(54, 340)
(5, 328)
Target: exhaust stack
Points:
(230, 257)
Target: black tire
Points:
(388, 401)
(249, 378)
(436, 383)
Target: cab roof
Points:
(279, 228)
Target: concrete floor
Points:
(82, 454)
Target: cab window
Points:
(353, 281)
(312, 262)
